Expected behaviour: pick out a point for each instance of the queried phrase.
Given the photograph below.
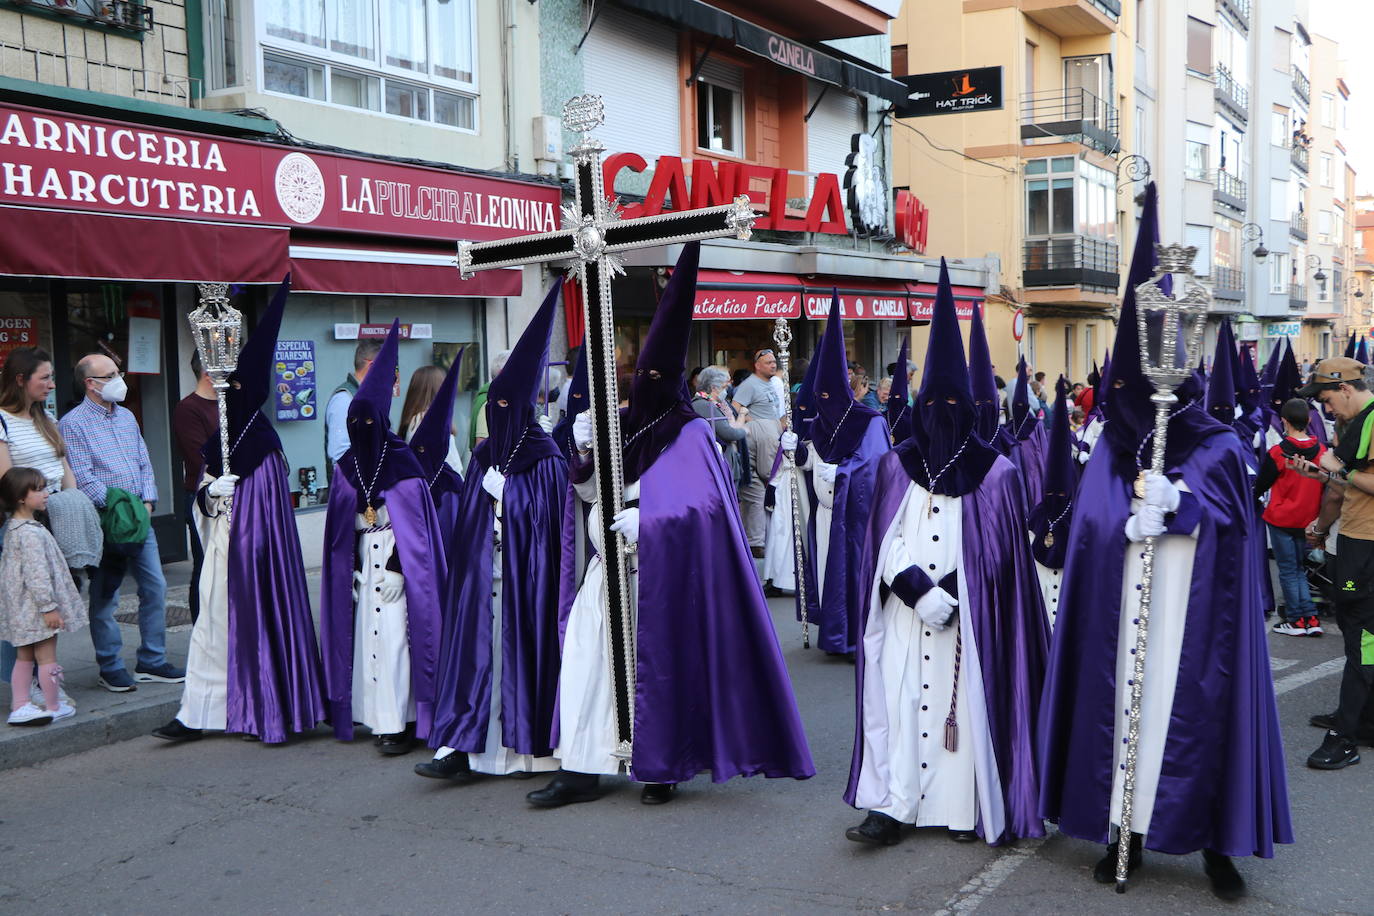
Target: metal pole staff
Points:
(1185, 315)
(782, 336)
(218, 329)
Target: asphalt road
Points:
(317, 826)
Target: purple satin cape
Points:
(531, 534)
(276, 684)
(1009, 624)
(1222, 784)
(835, 614)
(419, 545)
(712, 692)
(1029, 456)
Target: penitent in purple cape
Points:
(379, 469)
(528, 552)
(853, 438)
(275, 684)
(1220, 779)
(1029, 441)
(1000, 620)
(712, 692)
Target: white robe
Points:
(1051, 583)
(382, 698)
(1173, 576)
(825, 511)
(779, 556)
(204, 697)
(586, 724)
(909, 678)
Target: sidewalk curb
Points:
(72, 737)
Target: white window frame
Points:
(738, 118)
(1279, 274)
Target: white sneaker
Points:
(36, 696)
(29, 714)
(64, 711)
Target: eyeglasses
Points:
(107, 378)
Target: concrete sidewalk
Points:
(103, 717)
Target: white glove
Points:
(223, 487)
(393, 587)
(582, 431)
(626, 522)
(1147, 523)
(494, 482)
(789, 441)
(545, 423)
(1160, 491)
(826, 471)
(357, 584)
(935, 607)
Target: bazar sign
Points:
(63, 162)
(752, 304)
(874, 305)
(1283, 329)
(715, 183)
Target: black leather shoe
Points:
(175, 731)
(1335, 753)
(876, 830)
(657, 793)
(1104, 872)
(454, 767)
(566, 789)
(1324, 720)
(396, 745)
(963, 836)
(1226, 881)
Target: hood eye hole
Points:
(368, 421)
(825, 394)
(1119, 383)
(502, 403)
(419, 448)
(235, 384)
(654, 374)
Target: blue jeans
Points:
(152, 607)
(8, 656)
(1289, 549)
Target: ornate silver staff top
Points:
(1174, 319)
(218, 330)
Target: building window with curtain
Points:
(720, 108)
(413, 59)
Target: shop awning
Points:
(966, 299)
(731, 294)
(880, 300)
(361, 270)
(97, 246)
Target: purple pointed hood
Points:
(1054, 513)
(804, 404)
(944, 442)
(659, 403)
(898, 410)
(840, 420)
(377, 458)
(1271, 368)
(431, 439)
(1221, 386)
(1248, 393)
(251, 437)
(986, 397)
(579, 394)
(1022, 420)
(1362, 351)
(515, 440)
(1350, 347)
(1287, 380)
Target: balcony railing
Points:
(1231, 93)
(1073, 260)
(1229, 190)
(1297, 297)
(1228, 283)
(1302, 85)
(127, 15)
(77, 72)
(1069, 114)
(1297, 226)
(1239, 10)
(1302, 159)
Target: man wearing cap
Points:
(1339, 384)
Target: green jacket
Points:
(479, 404)
(124, 518)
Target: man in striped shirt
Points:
(105, 449)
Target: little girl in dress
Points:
(37, 598)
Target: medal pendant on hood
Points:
(1140, 485)
(370, 516)
(1049, 539)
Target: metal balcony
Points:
(1231, 95)
(1297, 227)
(1302, 85)
(1072, 18)
(1075, 115)
(1228, 283)
(1297, 297)
(1071, 260)
(1229, 190)
(1302, 159)
(1239, 10)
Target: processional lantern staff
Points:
(218, 330)
(593, 233)
(782, 337)
(1170, 329)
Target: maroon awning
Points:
(377, 270)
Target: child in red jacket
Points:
(1293, 504)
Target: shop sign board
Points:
(294, 374)
(763, 303)
(924, 309)
(876, 305)
(16, 333)
(1283, 329)
(60, 161)
(952, 92)
(346, 331)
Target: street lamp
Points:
(1250, 232)
(1355, 287)
(1315, 261)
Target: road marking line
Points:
(991, 876)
